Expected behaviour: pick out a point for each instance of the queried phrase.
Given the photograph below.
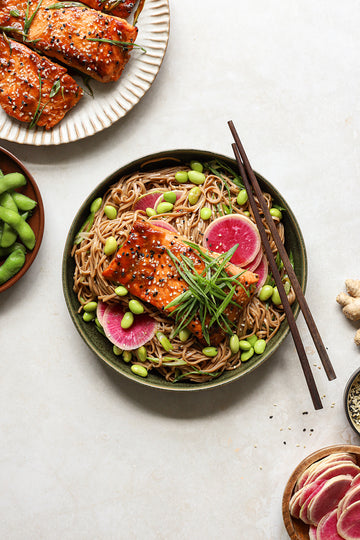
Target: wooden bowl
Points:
(9, 163)
(297, 529)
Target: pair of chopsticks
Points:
(251, 184)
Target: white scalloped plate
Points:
(113, 100)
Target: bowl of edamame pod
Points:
(177, 188)
(21, 219)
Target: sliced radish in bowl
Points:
(142, 330)
(226, 231)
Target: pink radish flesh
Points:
(142, 330)
(349, 522)
(335, 470)
(262, 271)
(147, 201)
(100, 310)
(164, 225)
(251, 266)
(352, 496)
(226, 231)
(356, 481)
(327, 498)
(312, 532)
(327, 527)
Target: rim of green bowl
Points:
(101, 346)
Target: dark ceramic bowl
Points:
(296, 528)
(351, 395)
(101, 346)
(8, 164)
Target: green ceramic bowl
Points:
(101, 346)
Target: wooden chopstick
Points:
(324, 357)
(276, 275)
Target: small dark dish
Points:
(352, 401)
(8, 164)
(101, 346)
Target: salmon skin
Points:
(145, 268)
(32, 88)
(72, 35)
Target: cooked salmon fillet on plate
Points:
(32, 88)
(92, 42)
(144, 266)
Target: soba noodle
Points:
(257, 318)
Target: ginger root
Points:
(350, 303)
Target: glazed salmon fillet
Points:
(118, 8)
(22, 71)
(145, 268)
(71, 35)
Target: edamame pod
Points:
(23, 202)
(23, 229)
(14, 262)
(9, 235)
(11, 181)
(4, 252)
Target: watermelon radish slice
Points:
(327, 527)
(312, 532)
(100, 310)
(164, 225)
(142, 330)
(251, 266)
(262, 271)
(147, 200)
(349, 522)
(226, 231)
(328, 498)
